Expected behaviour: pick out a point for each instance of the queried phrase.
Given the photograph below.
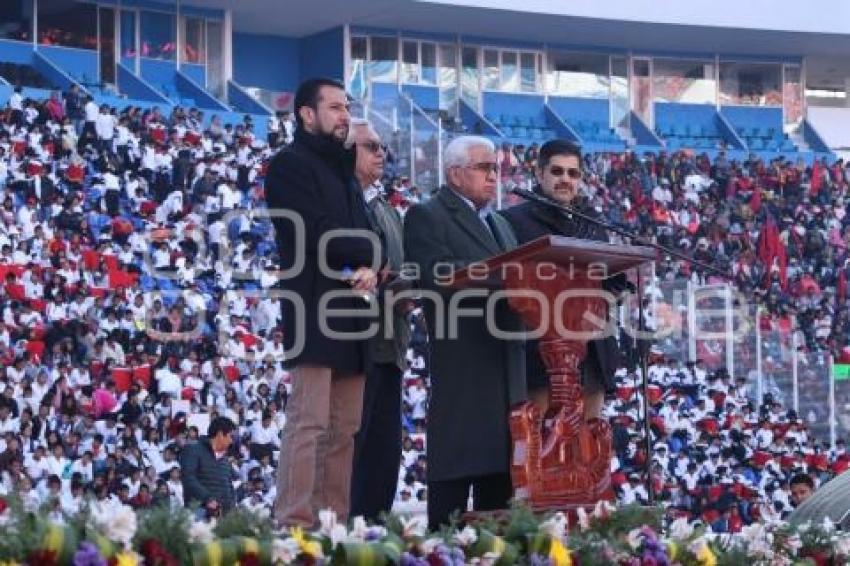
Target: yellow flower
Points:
(672, 549)
(310, 547)
(10, 563)
(498, 545)
(706, 557)
(559, 554)
(127, 559)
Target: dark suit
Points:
(475, 377)
(377, 445)
(314, 178)
(530, 221)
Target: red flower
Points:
(3, 505)
(249, 559)
(43, 558)
(820, 557)
(156, 555)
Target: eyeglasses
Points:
(485, 167)
(558, 171)
(374, 147)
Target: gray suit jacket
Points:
(389, 227)
(475, 377)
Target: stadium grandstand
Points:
(134, 141)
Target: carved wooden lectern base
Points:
(559, 461)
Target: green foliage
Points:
(242, 522)
(21, 531)
(168, 526)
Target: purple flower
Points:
(89, 555)
(538, 560)
(408, 559)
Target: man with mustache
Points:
(559, 172)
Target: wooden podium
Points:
(558, 460)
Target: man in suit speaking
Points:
(475, 376)
(559, 175)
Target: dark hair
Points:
(308, 94)
(557, 147)
(803, 479)
(220, 424)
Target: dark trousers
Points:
(377, 445)
(489, 493)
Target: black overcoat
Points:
(314, 178)
(530, 221)
(475, 377)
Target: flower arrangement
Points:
(111, 534)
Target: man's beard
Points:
(329, 136)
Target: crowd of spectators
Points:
(134, 252)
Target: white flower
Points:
(681, 529)
(201, 532)
(828, 525)
(842, 545)
(327, 521)
(429, 545)
(794, 543)
(114, 520)
(583, 519)
(416, 526)
(359, 528)
(555, 526)
(338, 534)
(466, 537)
(635, 538)
(284, 551)
(758, 540)
(603, 509)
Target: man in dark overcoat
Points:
(475, 376)
(313, 179)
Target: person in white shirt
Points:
(288, 127)
(265, 437)
(89, 133)
(105, 128)
(169, 381)
(16, 105)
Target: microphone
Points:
(550, 203)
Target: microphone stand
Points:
(548, 202)
(642, 351)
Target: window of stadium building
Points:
(67, 23)
(16, 20)
(418, 62)
(584, 75)
(194, 41)
(157, 33)
(792, 96)
(129, 49)
(692, 82)
(511, 71)
(383, 59)
(751, 84)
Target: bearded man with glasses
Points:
(475, 376)
(559, 176)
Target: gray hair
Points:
(354, 124)
(456, 152)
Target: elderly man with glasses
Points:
(475, 376)
(377, 448)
